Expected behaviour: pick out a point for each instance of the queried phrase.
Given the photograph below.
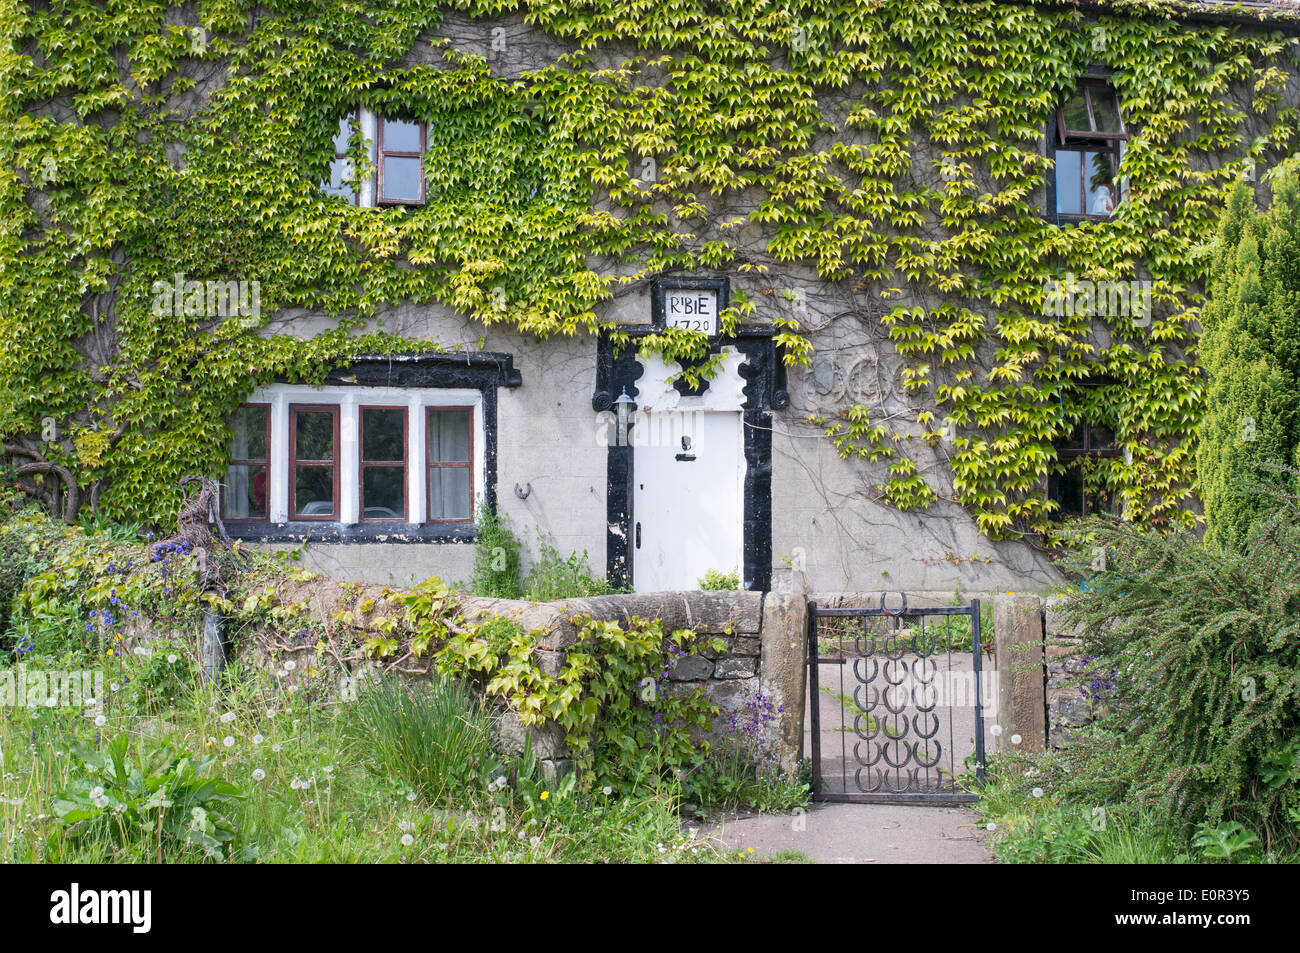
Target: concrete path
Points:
(840, 833)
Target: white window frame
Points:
(349, 400)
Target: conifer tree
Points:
(1250, 349)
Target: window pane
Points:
(343, 136)
(1067, 490)
(401, 136)
(1100, 438)
(244, 492)
(1076, 439)
(1102, 193)
(1105, 109)
(313, 491)
(449, 436)
(340, 173)
(449, 493)
(402, 179)
(383, 493)
(1068, 180)
(383, 435)
(315, 439)
(1075, 112)
(249, 426)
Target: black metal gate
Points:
(914, 701)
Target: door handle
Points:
(638, 535)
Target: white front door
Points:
(687, 500)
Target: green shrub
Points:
(496, 557)
(563, 577)
(1229, 842)
(1196, 651)
(714, 580)
(735, 776)
(436, 738)
(157, 803)
(742, 771)
(621, 730)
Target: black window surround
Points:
(484, 371)
(764, 391)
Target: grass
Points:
(435, 738)
(554, 576)
(1031, 821)
(789, 856)
(400, 774)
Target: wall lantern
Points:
(623, 407)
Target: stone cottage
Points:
(876, 293)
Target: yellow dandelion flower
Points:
(545, 794)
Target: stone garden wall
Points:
(1043, 696)
(764, 638)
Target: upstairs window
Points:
(341, 170)
(394, 149)
(401, 162)
(1077, 454)
(1089, 133)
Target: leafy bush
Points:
(620, 729)
(164, 799)
(563, 577)
(435, 738)
(733, 777)
(713, 579)
(1228, 842)
(1205, 646)
(496, 557)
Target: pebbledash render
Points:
(382, 470)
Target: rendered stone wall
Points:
(825, 517)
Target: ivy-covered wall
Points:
(870, 174)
